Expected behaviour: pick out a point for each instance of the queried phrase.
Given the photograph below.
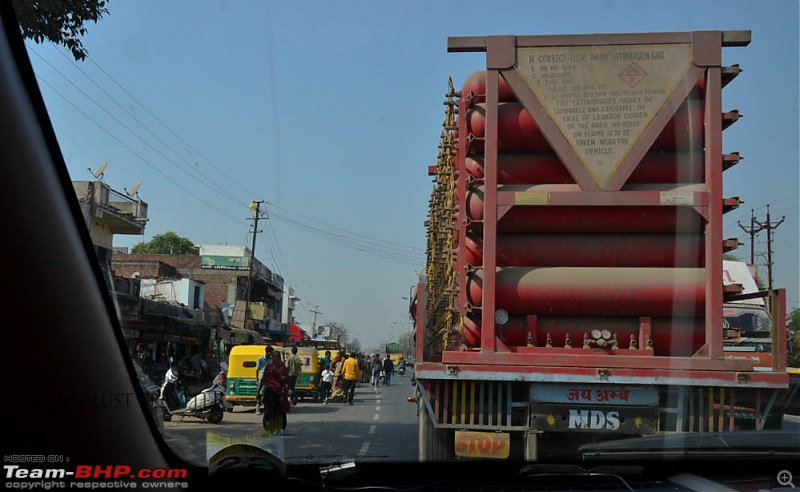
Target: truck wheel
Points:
(434, 444)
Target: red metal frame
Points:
(705, 199)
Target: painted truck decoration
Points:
(572, 290)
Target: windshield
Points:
(365, 231)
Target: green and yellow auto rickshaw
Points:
(307, 385)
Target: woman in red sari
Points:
(276, 394)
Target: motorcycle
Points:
(401, 370)
(208, 405)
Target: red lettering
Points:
(485, 445)
(122, 470)
(498, 445)
(102, 472)
(83, 471)
(462, 446)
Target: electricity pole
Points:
(769, 226)
(255, 206)
(314, 323)
(752, 232)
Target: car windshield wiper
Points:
(740, 444)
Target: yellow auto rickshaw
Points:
(242, 383)
(307, 385)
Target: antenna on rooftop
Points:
(98, 173)
(134, 190)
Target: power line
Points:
(133, 117)
(365, 243)
(143, 159)
(113, 117)
(173, 132)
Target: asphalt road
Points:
(381, 425)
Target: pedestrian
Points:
(338, 380)
(261, 364)
(376, 366)
(366, 374)
(274, 384)
(323, 363)
(350, 372)
(195, 368)
(388, 369)
(325, 384)
(221, 379)
(294, 366)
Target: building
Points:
(159, 318)
(109, 213)
(224, 273)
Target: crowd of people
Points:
(338, 377)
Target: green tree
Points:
(62, 22)
(168, 243)
(793, 345)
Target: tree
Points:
(59, 21)
(168, 243)
(354, 346)
(338, 332)
(793, 331)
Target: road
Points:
(381, 425)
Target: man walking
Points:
(376, 366)
(350, 372)
(294, 365)
(388, 369)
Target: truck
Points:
(395, 352)
(746, 322)
(572, 295)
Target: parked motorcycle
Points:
(208, 405)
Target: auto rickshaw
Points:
(242, 384)
(307, 385)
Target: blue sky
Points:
(331, 112)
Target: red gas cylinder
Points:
(576, 219)
(474, 87)
(545, 167)
(592, 250)
(563, 291)
(677, 337)
(517, 132)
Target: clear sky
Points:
(331, 112)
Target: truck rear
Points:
(572, 291)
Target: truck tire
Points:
(434, 444)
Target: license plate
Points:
(494, 445)
(594, 418)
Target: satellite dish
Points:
(134, 189)
(98, 173)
